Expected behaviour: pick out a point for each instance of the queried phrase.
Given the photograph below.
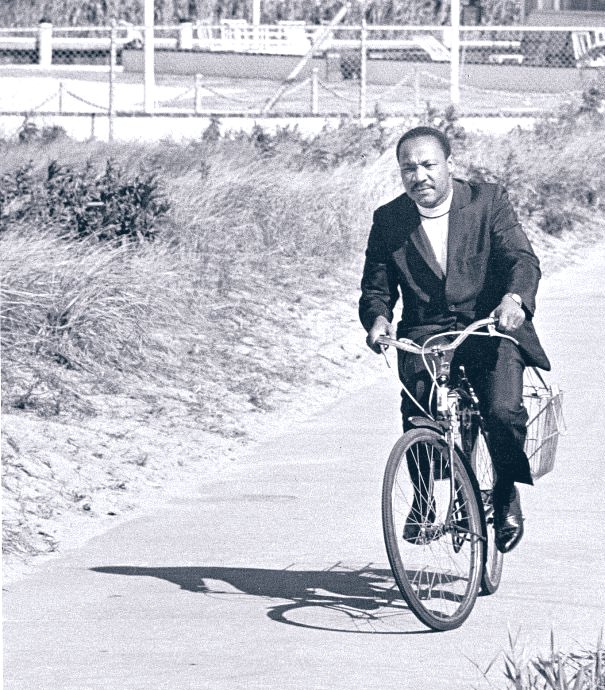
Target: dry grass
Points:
(245, 242)
(583, 669)
(229, 313)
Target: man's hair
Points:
(418, 132)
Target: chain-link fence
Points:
(293, 69)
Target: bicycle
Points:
(437, 494)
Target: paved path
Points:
(276, 577)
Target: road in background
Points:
(276, 576)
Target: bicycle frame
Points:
(447, 398)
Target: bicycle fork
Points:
(448, 414)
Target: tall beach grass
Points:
(251, 228)
(582, 668)
(246, 268)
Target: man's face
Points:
(425, 171)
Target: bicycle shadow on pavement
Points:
(338, 598)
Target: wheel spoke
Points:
(436, 560)
(481, 461)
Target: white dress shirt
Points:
(435, 225)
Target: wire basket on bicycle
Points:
(544, 405)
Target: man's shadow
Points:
(339, 598)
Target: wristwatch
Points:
(516, 298)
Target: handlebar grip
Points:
(400, 344)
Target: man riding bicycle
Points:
(455, 252)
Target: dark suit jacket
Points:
(488, 255)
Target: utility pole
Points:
(148, 57)
(112, 79)
(363, 64)
(455, 53)
(256, 12)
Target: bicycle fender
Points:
(418, 422)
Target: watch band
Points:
(516, 298)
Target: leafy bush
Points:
(593, 97)
(82, 203)
(348, 142)
(30, 132)
(447, 121)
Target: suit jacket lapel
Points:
(423, 245)
(457, 236)
(409, 247)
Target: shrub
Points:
(81, 203)
(350, 142)
(447, 121)
(593, 97)
(213, 132)
(243, 238)
(30, 132)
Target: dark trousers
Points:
(495, 369)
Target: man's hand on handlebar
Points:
(381, 327)
(509, 314)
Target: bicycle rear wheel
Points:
(433, 538)
(481, 462)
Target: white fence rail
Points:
(291, 38)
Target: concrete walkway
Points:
(276, 576)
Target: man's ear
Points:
(450, 165)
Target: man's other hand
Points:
(509, 314)
(381, 327)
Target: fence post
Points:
(45, 43)
(417, 106)
(149, 57)
(112, 65)
(185, 39)
(60, 96)
(256, 11)
(455, 53)
(315, 91)
(197, 97)
(363, 65)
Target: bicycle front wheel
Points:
(481, 462)
(432, 529)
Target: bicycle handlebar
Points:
(408, 345)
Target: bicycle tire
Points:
(481, 462)
(439, 571)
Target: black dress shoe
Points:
(421, 516)
(508, 518)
